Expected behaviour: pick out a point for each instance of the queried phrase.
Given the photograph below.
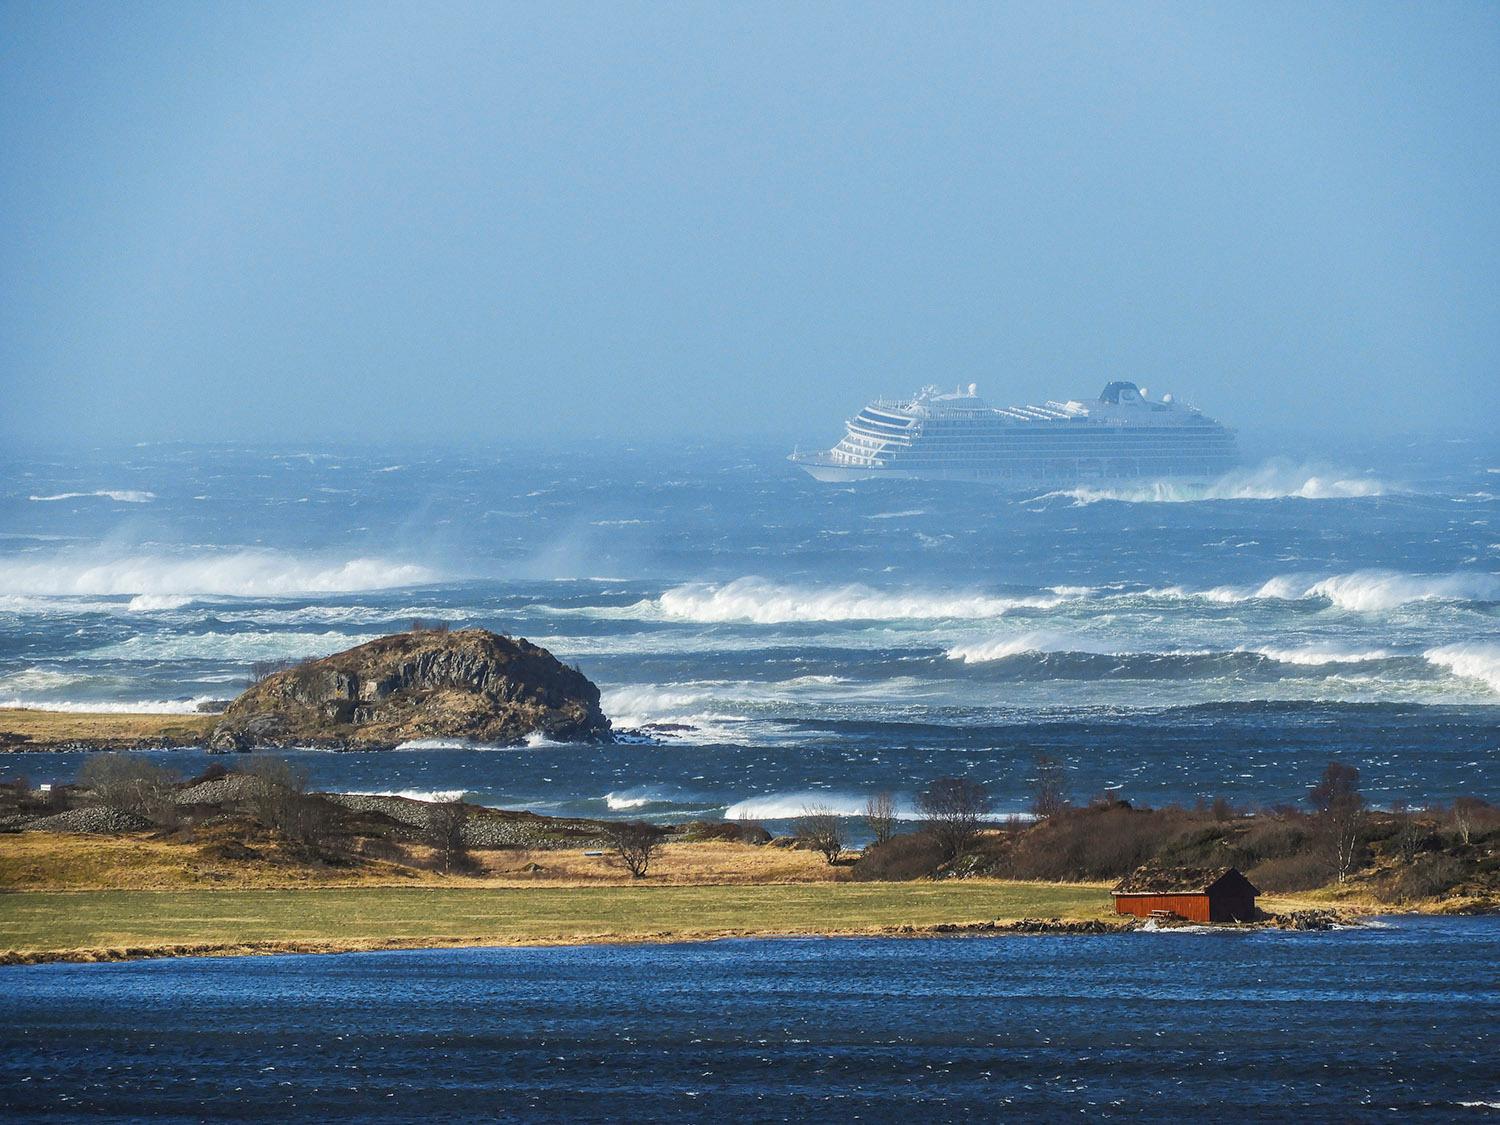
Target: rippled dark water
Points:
(1397, 1021)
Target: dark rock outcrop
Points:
(471, 684)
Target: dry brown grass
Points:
(139, 861)
(42, 728)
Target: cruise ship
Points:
(1122, 436)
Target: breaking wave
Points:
(431, 796)
(1316, 656)
(133, 707)
(788, 806)
(230, 647)
(1001, 648)
(1477, 661)
(1362, 591)
(122, 495)
(233, 574)
(1273, 481)
(760, 602)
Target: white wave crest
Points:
(94, 707)
(230, 647)
(1476, 661)
(152, 603)
(39, 679)
(234, 574)
(789, 806)
(121, 495)
(761, 602)
(1271, 481)
(1368, 590)
(1363, 591)
(431, 796)
(1000, 648)
(1318, 655)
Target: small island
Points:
(469, 685)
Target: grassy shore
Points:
(23, 728)
(104, 924)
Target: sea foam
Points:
(120, 495)
(234, 574)
(1473, 661)
(761, 602)
(1272, 481)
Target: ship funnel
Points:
(973, 390)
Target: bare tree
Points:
(1341, 808)
(264, 669)
(1464, 815)
(446, 822)
(880, 815)
(636, 844)
(130, 784)
(953, 808)
(277, 797)
(1049, 793)
(820, 829)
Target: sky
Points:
(618, 222)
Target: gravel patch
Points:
(222, 790)
(96, 820)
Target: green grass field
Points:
(100, 920)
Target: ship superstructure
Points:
(1124, 435)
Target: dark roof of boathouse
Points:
(1153, 879)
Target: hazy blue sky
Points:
(232, 220)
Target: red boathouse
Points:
(1199, 894)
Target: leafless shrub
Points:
(1472, 816)
(1222, 810)
(910, 855)
(953, 809)
(636, 844)
(820, 829)
(1049, 793)
(130, 784)
(1100, 842)
(445, 834)
(1426, 877)
(880, 815)
(278, 799)
(1303, 872)
(265, 669)
(751, 831)
(418, 625)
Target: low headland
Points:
(132, 862)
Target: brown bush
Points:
(1093, 843)
(1302, 872)
(732, 831)
(910, 855)
(1426, 877)
(1272, 838)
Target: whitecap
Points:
(1275, 480)
(97, 707)
(1472, 661)
(232, 573)
(120, 495)
(761, 602)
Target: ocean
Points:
(782, 642)
(1394, 1021)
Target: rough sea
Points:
(777, 643)
(786, 642)
(1393, 1022)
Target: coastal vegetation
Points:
(130, 856)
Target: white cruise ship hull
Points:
(1123, 438)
